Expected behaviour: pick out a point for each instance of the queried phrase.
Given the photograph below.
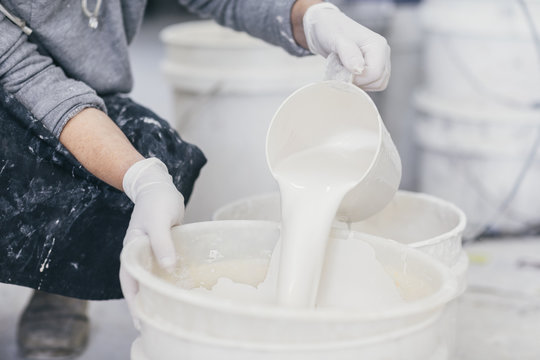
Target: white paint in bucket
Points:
(352, 278)
(176, 320)
(227, 86)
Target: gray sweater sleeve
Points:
(269, 20)
(37, 83)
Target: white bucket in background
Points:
(481, 51)
(177, 321)
(425, 222)
(227, 87)
(472, 154)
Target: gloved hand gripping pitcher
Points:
(362, 52)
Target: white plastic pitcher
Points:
(314, 114)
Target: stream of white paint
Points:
(307, 269)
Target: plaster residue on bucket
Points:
(354, 278)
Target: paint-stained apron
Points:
(61, 228)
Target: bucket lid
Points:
(474, 111)
(208, 34)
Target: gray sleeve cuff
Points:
(38, 84)
(79, 104)
(283, 32)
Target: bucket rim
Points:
(453, 232)
(182, 34)
(434, 302)
(458, 111)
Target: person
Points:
(84, 169)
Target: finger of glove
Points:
(380, 84)
(133, 233)
(376, 56)
(351, 56)
(130, 288)
(162, 245)
(386, 78)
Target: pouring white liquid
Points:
(318, 149)
(313, 184)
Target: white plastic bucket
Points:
(227, 86)
(471, 155)
(317, 113)
(208, 323)
(481, 51)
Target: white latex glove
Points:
(158, 207)
(363, 52)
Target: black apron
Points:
(61, 228)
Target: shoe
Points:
(53, 327)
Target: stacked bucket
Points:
(177, 323)
(479, 111)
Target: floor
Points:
(112, 331)
(499, 314)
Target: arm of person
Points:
(100, 146)
(39, 85)
(302, 25)
(69, 109)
